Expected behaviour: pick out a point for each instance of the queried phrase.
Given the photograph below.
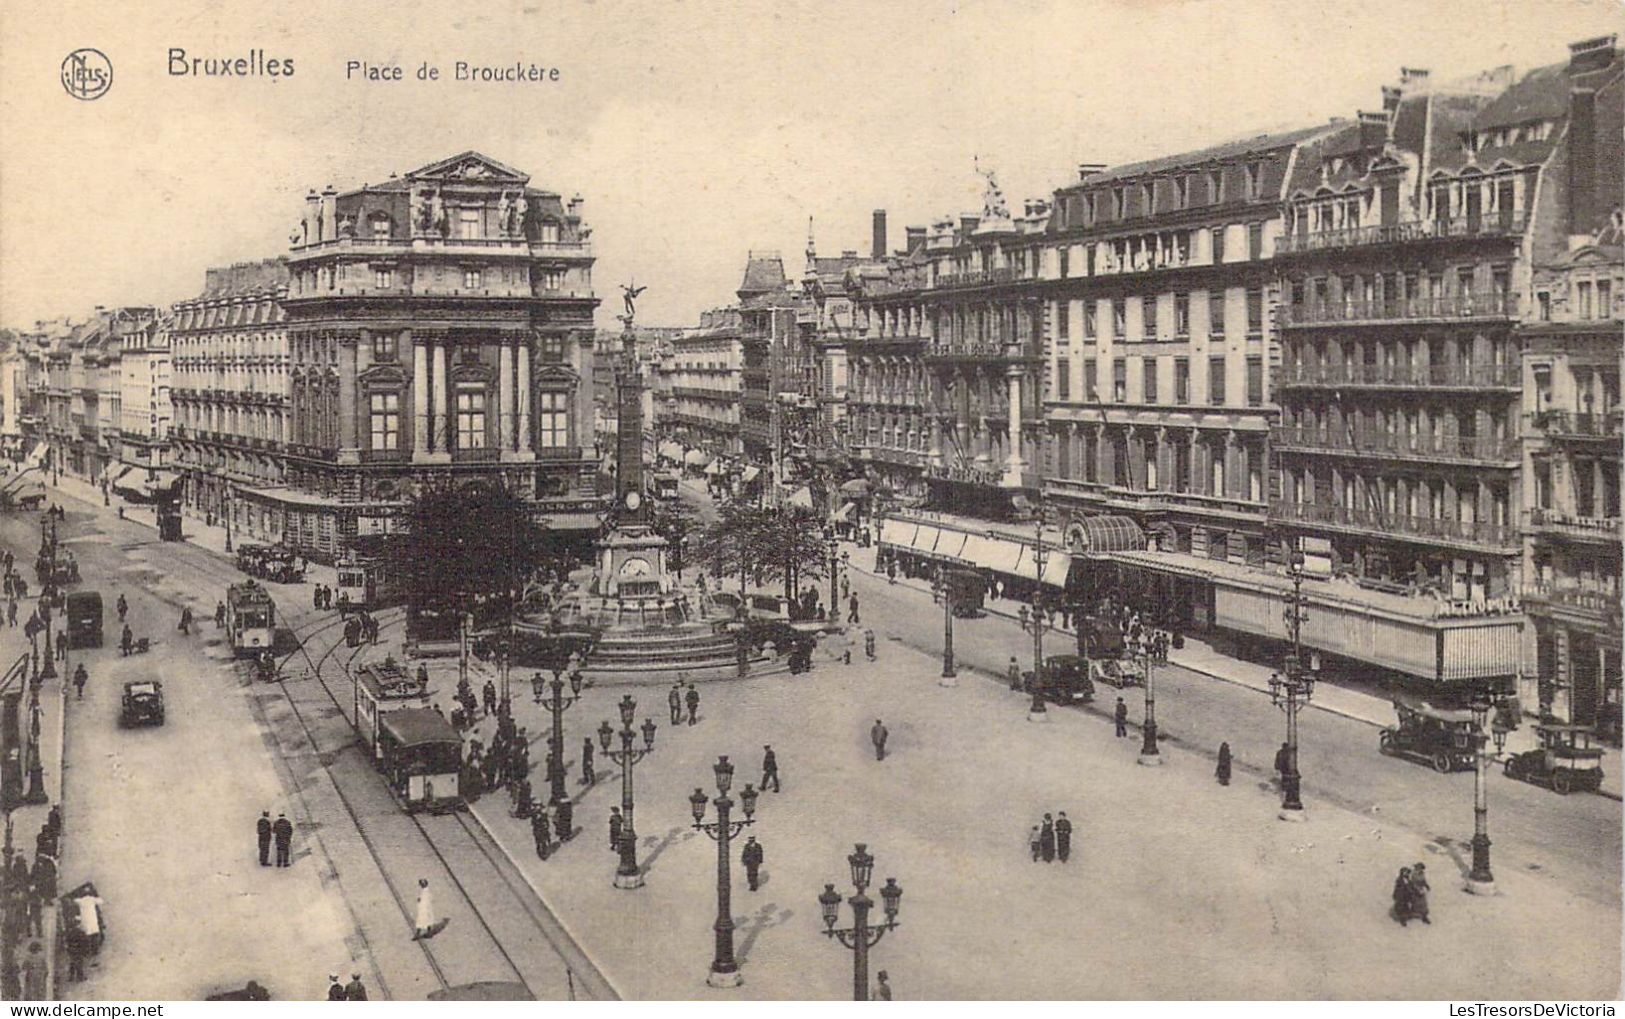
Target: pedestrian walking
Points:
(693, 698)
(1013, 673)
(882, 987)
(869, 644)
(11, 612)
(1046, 839)
(1120, 716)
(674, 700)
(1034, 844)
(62, 645)
(588, 777)
(219, 614)
(335, 988)
(1063, 837)
(878, 735)
(34, 973)
(542, 833)
(262, 832)
(424, 921)
(770, 768)
(1223, 770)
(617, 824)
(488, 693)
(1419, 893)
(316, 597)
(1402, 896)
(1283, 761)
(355, 990)
(852, 609)
(283, 831)
(126, 641)
(80, 676)
(78, 947)
(751, 857)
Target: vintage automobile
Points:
(249, 557)
(1066, 680)
(1565, 760)
(143, 703)
(1442, 737)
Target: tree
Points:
(792, 549)
(468, 548)
(730, 544)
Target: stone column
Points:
(440, 415)
(522, 440)
(1014, 465)
(420, 396)
(349, 449)
(507, 406)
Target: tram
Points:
(364, 583)
(250, 619)
(417, 751)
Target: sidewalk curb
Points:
(558, 917)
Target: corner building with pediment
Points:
(439, 329)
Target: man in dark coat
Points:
(674, 700)
(1120, 716)
(1283, 761)
(488, 693)
(541, 832)
(283, 831)
(1063, 837)
(878, 734)
(355, 990)
(588, 776)
(751, 856)
(1222, 772)
(852, 609)
(616, 823)
(770, 768)
(1046, 839)
(263, 831)
(693, 698)
(335, 990)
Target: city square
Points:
(1201, 581)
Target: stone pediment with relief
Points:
(470, 167)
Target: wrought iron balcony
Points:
(1601, 605)
(476, 454)
(1462, 307)
(1464, 228)
(1574, 526)
(1393, 376)
(1470, 448)
(1470, 532)
(385, 456)
(1563, 424)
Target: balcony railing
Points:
(1468, 531)
(1604, 604)
(1562, 424)
(1567, 523)
(1414, 309)
(1435, 376)
(1480, 448)
(384, 456)
(477, 454)
(1509, 225)
(985, 277)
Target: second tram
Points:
(250, 619)
(417, 751)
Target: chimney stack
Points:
(878, 244)
(968, 224)
(1591, 54)
(1087, 170)
(916, 237)
(1373, 129)
(1582, 161)
(330, 226)
(1413, 79)
(1390, 97)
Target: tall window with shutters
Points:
(470, 419)
(552, 420)
(384, 411)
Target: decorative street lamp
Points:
(724, 969)
(49, 672)
(557, 707)
(1298, 685)
(1480, 880)
(628, 875)
(834, 570)
(225, 502)
(1150, 646)
(1038, 711)
(950, 676)
(860, 937)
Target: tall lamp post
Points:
(861, 936)
(834, 569)
(1038, 711)
(1151, 647)
(628, 875)
(950, 675)
(49, 671)
(1297, 685)
(1480, 880)
(557, 707)
(226, 507)
(724, 968)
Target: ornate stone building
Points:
(439, 331)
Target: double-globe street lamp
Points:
(627, 875)
(724, 968)
(1297, 685)
(1038, 711)
(1480, 880)
(556, 707)
(1150, 646)
(861, 936)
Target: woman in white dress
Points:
(425, 921)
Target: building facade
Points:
(703, 379)
(439, 332)
(145, 380)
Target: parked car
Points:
(143, 703)
(1565, 760)
(1066, 680)
(1442, 737)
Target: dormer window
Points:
(550, 232)
(380, 225)
(1148, 195)
(1182, 192)
(468, 224)
(1255, 180)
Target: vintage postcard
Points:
(665, 501)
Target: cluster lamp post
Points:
(1481, 880)
(627, 875)
(557, 707)
(861, 936)
(1296, 687)
(724, 967)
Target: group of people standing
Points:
(26, 893)
(280, 831)
(322, 598)
(1411, 895)
(1051, 839)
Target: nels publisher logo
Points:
(87, 74)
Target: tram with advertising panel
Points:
(364, 582)
(250, 619)
(412, 745)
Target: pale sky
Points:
(695, 132)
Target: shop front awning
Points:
(897, 533)
(671, 450)
(1057, 565)
(858, 487)
(1099, 535)
(801, 498)
(161, 482)
(696, 458)
(714, 467)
